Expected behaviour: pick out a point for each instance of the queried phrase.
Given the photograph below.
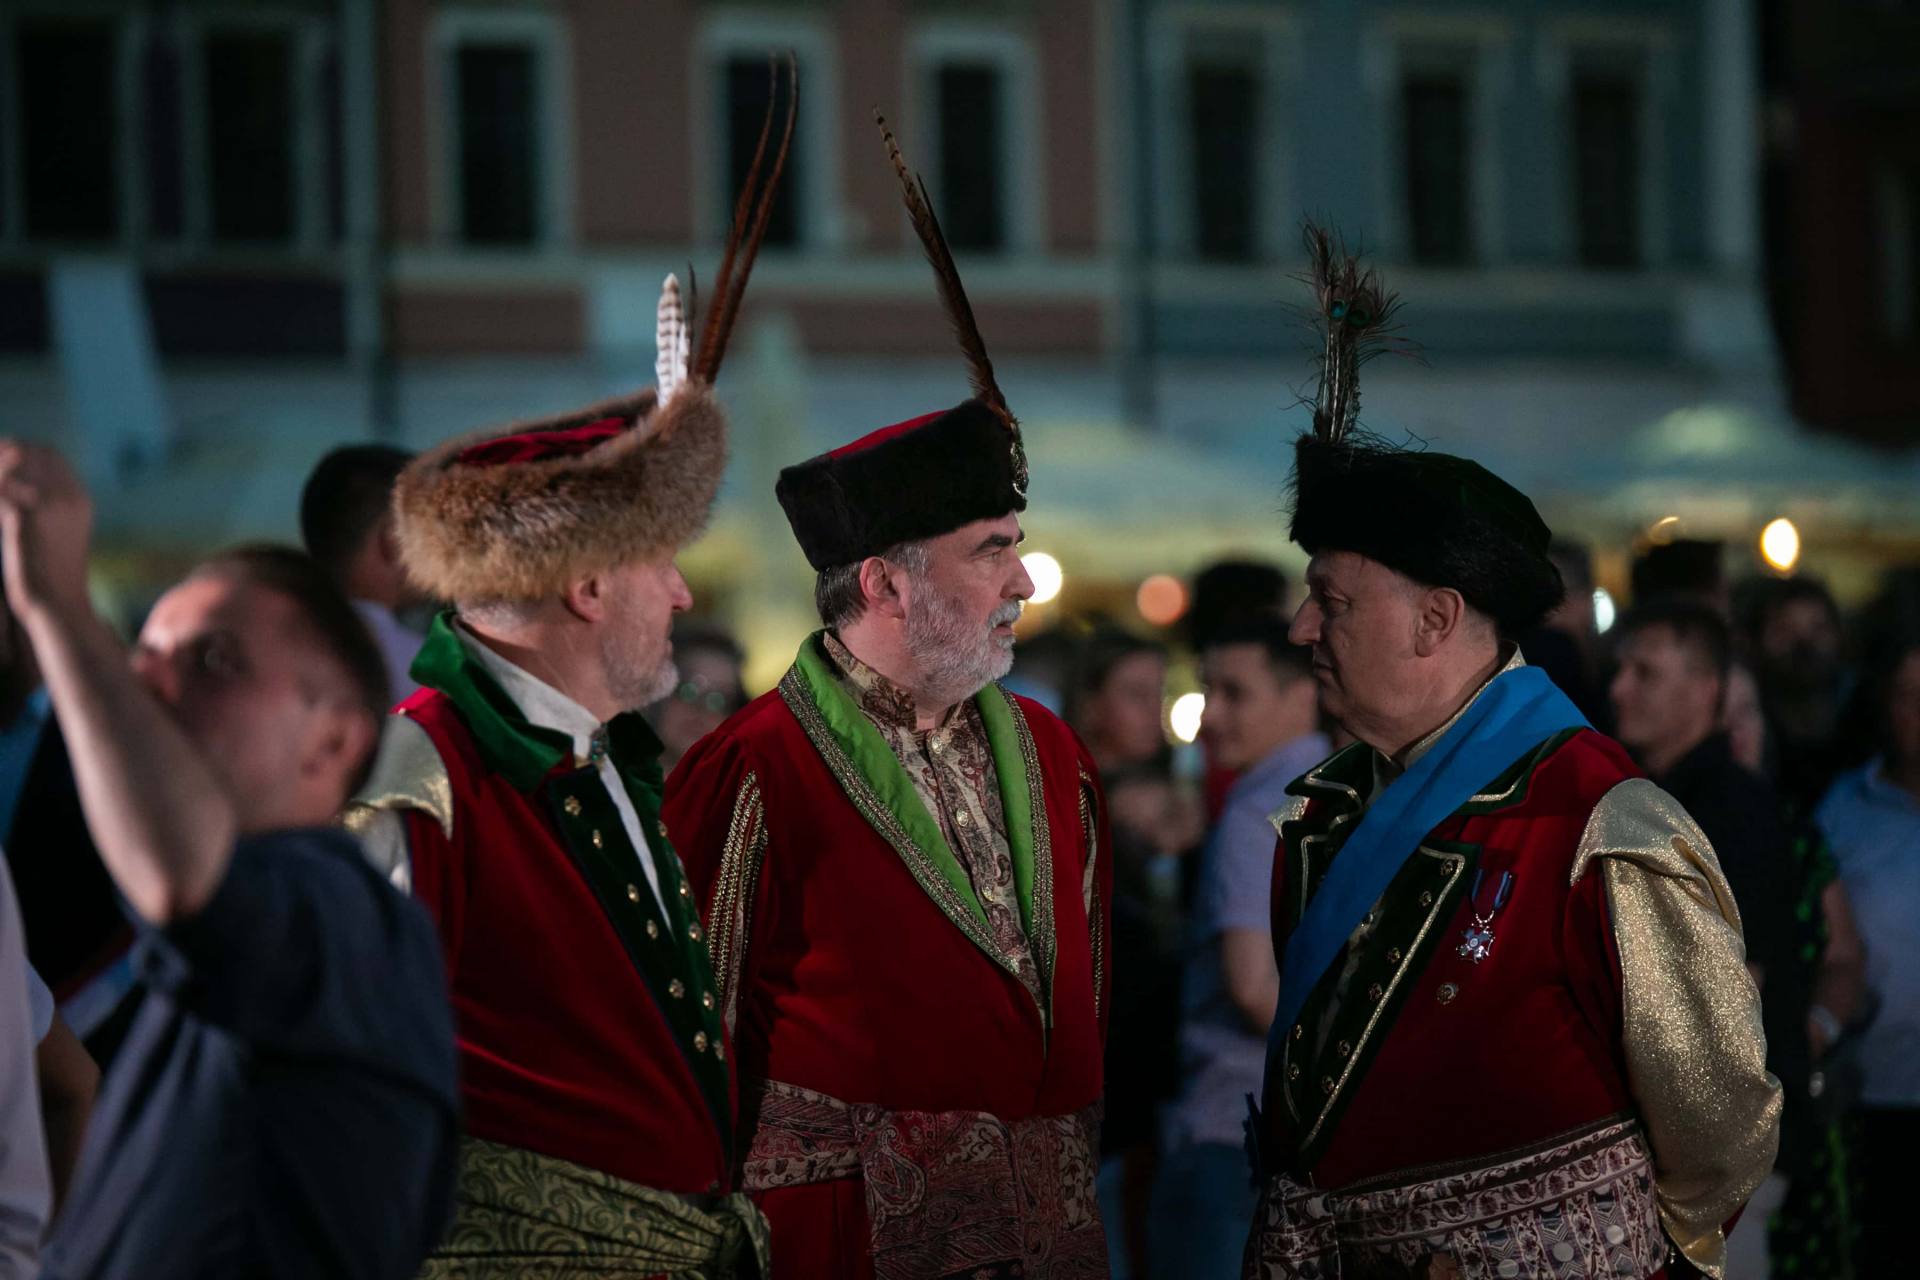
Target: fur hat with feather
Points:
(514, 512)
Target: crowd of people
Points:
(437, 901)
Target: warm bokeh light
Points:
(1604, 611)
(1047, 576)
(1161, 600)
(1664, 530)
(1184, 717)
(1780, 545)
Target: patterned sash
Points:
(1578, 1207)
(525, 1216)
(948, 1193)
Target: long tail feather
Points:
(751, 212)
(953, 294)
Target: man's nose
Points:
(1305, 627)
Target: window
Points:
(249, 94)
(1223, 123)
(495, 89)
(68, 80)
(749, 81)
(972, 191)
(1606, 168)
(1436, 128)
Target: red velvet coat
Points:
(1465, 1059)
(587, 1024)
(850, 980)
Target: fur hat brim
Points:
(521, 530)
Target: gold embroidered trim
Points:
(1040, 936)
(935, 885)
(1441, 902)
(1089, 893)
(1695, 1051)
(730, 915)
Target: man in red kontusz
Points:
(905, 870)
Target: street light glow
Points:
(1780, 545)
(1184, 718)
(1046, 573)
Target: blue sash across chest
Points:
(1517, 711)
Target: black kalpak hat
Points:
(925, 476)
(912, 480)
(1438, 519)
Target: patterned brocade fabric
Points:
(524, 1216)
(948, 1193)
(952, 771)
(1578, 1207)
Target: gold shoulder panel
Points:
(408, 773)
(1690, 1014)
(1292, 811)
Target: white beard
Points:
(955, 656)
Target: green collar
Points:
(521, 752)
(884, 774)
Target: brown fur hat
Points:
(513, 513)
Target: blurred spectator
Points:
(1872, 816)
(1228, 590)
(1810, 1234)
(1565, 645)
(1683, 567)
(346, 521)
(1153, 831)
(1674, 656)
(1119, 690)
(284, 1104)
(1223, 593)
(26, 1184)
(1043, 667)
(707, 660)
(1792, 632)
(1261, 721)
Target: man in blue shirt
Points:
(284, 1102)
(1871, 817)
(1262, 716)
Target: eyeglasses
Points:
(697, 693)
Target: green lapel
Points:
(866, 764)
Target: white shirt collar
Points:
(541, 703)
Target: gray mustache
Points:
(1006, 614)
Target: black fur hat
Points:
(915, 479)
(1440, 520)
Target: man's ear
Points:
(586, 597)
(1441, 612)
(387, 541)
(882, 588)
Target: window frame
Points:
(130, 32)
(1481, 48)
(1010, 51)
(547, 35)
(310, 37)
(1646, 48)
(821, 223)
(1174, 232)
